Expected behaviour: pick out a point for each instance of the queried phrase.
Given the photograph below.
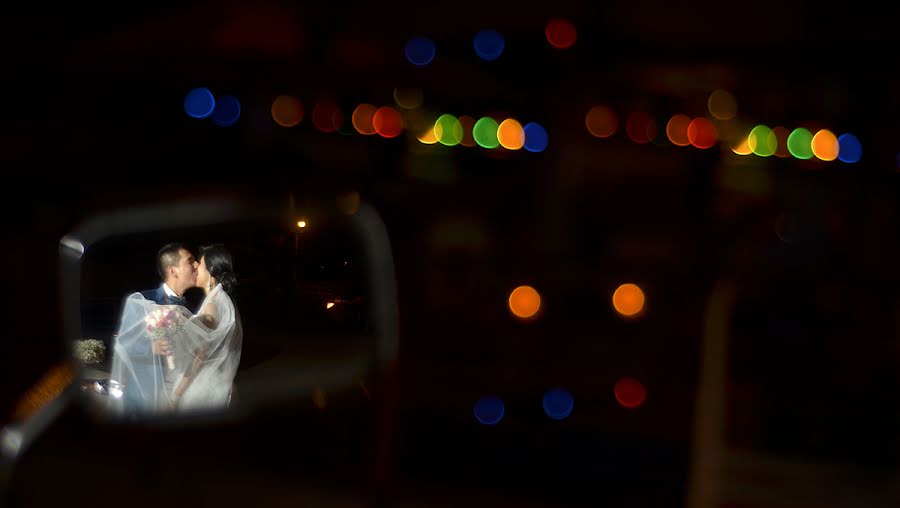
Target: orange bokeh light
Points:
(825, 145)
(676, 130)
(524, 302)
(510, 134)
(362, 119)
(601, 122)
(628, 299)
(287, 110)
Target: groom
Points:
(177, 270)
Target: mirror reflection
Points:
(238, 314)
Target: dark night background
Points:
(805, 252)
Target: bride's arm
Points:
(196, 363)
(206, 316)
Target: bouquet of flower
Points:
(164, 322)
(89, 351)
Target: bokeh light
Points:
(287, 110)
(800, 143)
(676, 130)
(629, 392)
(762, 141)
(448, 130)
(560, 33)
(489, 410)
(850, 148)
(468, 124)
(788, 227)
(824, 145)
(485, 132)
(741, 147)
(524, 302)
(199, 103)
(387, 122)
(601, 122)
(489, 44)
(640, 127)
(722, 105)
(327, 116)
(558, 403)
(362, 119)
(510, 134)
(701, 132)
(420, 51)
(408, 98)
(535, 137)
(227, 111)
(781, 141)
(628, 299)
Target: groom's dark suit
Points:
(143, 370)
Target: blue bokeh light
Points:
(227, 112)
(850, 148)
(489, 410)
(199, 103)
(489, 44)
(535, 137)
(558, 403)
(420, 51)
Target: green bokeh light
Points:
(485, 132)
(448, 130)
(799, 143)
(762, 141)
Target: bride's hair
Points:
(220, 265)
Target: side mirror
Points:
(318, 305)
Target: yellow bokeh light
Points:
(428, 137)
(628, 299)
(524, 302)
(301, 224)
(329, 305)
(825, 145)
(742, 147)
(722, 105)
(408, 98)
(510, 134)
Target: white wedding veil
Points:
(205, 351)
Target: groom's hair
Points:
(168, 255)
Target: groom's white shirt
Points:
(168, 290)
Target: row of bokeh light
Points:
(489, 44)
(389, 122)
(558, 403)
(705, 132)
(386, 121)
(524, 304)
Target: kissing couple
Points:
(167, 357)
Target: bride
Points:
(204, 350)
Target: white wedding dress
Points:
(206, 348)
